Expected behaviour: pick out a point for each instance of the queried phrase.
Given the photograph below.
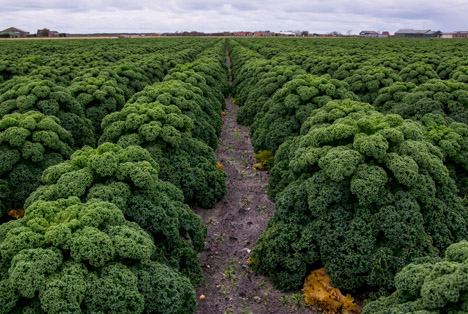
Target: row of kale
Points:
(339, 58)
(64, 60)
(358, 191)
(109, 229)
(80, 108)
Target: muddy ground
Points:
(234, 225)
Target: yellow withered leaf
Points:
(219, 166)
(16, 213)
(319, 292)
(264, 158)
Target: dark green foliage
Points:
(128, 177)
(347, 69)
(70, 257)
(165, 132)
(263, 89)
(250, 73)
(99, 95)
(20, 66)
(290, 106)
(29, 143)
(453, 141)
(188, 99)
(394, 61)
(46, 97)
(392, 96)
(132, 78)
(213, 100)
(460, 74)
(62, 76)
(418, 73)
(448, 98)
(211, 67)
(7, 70)
(367, 81)
(446, 67)
(367, 194)
(164, 290)
(320, 65)
(429, 286)
(154, 66)
(428, 57)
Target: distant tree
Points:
(305, 34)
(45, 32)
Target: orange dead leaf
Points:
(319, 292)
(259, 166)
(219, 166)
(223, 113)
(16, 213)
(252, 261)
(264, 158)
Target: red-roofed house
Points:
(15, 32)
(262, 34)
(369, 34)
(460, 34)
(243, 34)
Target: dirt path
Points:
(234, 226)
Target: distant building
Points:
(15, 32)
(262, 34)
(243, 34)
(47, 33)
(446, 35)
(286, 34)
(385, 34)
(460, 34)
(369, 34)
(416, 33)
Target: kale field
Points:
(125, 188)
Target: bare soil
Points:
(234, 225)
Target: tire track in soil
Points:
(234, 225)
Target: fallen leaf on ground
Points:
(319, 292)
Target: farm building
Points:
(285, 33)
(243, 34)
(416, 33)
(47, 33)
(262, 34)
(369, 34)
(460, 34)
(15, 32)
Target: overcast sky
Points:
(321, 16)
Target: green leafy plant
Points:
(128, 177)
(352, 169)
(69, 256)
(428, 285)
(29, 143)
